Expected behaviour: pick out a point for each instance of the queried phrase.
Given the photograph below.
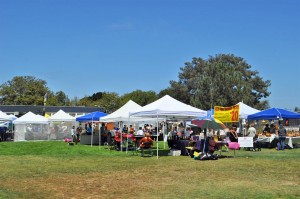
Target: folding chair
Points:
(131, 146)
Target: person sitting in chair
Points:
(146, 143)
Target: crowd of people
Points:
(147, 133)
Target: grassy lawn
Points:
(55, 170)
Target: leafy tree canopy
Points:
(110, 101)
(28, 90)
(23, 90)
(223, 80)
(140, 97)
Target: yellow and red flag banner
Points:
(227, 114)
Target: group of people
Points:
(147, 128)
(129, 133)
(232, 136)
(271, 129)
(180, 133)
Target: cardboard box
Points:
(175, 153)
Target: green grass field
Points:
(55, 170)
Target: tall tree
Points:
(23, 90)
(223, 80)
(140, 97)
(62, 99)
(109, 101)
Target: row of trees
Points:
(221, 80)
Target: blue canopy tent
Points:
(94, 116)
(274, 114)
(91, 117)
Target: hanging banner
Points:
(227, 114)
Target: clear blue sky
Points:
(87, 46)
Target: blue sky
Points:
(87, 46)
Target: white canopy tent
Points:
(169, 108)
(122, 115)
(31, 127)
(62, 116)
(5, 117)
(61, 124)
(246, 110)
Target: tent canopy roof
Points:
(169, 108)
(31, 118)
(4, 116)
(246, 110)
(61, 116)
(94, 116)
(122, 114)
(274, 114)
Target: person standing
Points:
(78, 132)
(188, 133)
(73, 134)
(272, 129)
(125, 129)
(266, 129)
(281, 137)
(251, 133)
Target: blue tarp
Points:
(274, 114)
(94, 116)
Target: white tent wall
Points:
(60, 125)
(61, 130)
(31, 127)
(20, 131)
(31, 132)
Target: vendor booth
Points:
(169, 109)
(121, 116)
(60, 125)
(31, 127)
(278, 114)
(92, 137)
(274, 114)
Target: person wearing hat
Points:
(252, 133)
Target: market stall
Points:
(277, 114)
(291, 140)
